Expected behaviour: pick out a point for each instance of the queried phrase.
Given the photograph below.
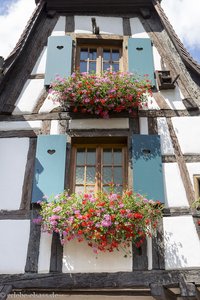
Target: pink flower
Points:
(57, 209)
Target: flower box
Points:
(106, 221)
(101, 95)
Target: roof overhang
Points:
(97, 6)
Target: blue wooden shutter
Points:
(59, 58)
(147, 166)
(49, 166)
(140, 57)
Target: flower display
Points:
(102, 95)
(106, 221)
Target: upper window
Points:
(96, 167)
(96, 59)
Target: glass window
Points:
(99, 167)
(97, 59)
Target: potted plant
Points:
(103, 94)
(106, 221)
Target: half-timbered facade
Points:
(45, 149)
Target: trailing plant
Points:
(102, 94)
(106, 221)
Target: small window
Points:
(96, 59)
(95, 167)
(197, 186)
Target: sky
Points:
(184, 15)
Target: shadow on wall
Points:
(37, 194)
(173, 98)
(166, 143)
(173, 258)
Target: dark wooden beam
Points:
(140, 259)
(158, 261)
(34, 243)
(152, 125)
(126, 26)
(4, 291)
(28, 176)
(56, 254)
(59, 115)
(181, 163)
(100, 6)
(16, 76)
(189, 291)
(159, 292)
(19, 133)
(14, 214)
(120, 280)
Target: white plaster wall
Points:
(13, 158)
(193, 169)
(39, 67)
(29, 96)
(152, 104)
(44, 253)
(59, 28)
(187, 130)
(54, 127)
(143, 125)
(157, 59)
(107, 25)
(14, 243)
(163, 131)
(121, 123)
(137, 28)
(174, 190)
(79, 257)
(182, 245)
(173, 98)
(49, 104)
(20, 125)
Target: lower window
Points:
(99, 167)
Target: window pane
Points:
(118, 175)
(79, 189)
(107, 156)
(80, 156)
(92, 67)
(91, 157)
(117, 156)
(106, 189)
(107, 175)
(106, 66)
(106, 54)
(115, 55)
(90, 177)
(84, 54)
(92, 54)
(115, 67)
(83, 66)
(118, 189)
(90, 189)
(80, 175)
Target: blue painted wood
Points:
(49, 166)
(147, 166)
(59, 58)
(140, 57)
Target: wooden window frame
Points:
(99, 60)
(196, 179)
(103, 41)
(99, 165)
